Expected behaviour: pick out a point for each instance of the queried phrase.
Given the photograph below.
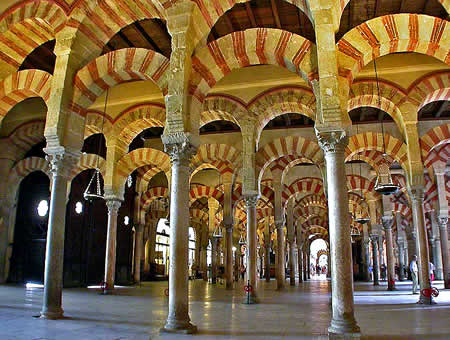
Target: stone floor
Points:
(298, 312)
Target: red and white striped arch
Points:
(89, 161)
(356, 183)
(136, 119)
(96, 122)
(313, 200)
(250, 47)
(224, 157)
(28, 134)
(374, 141)
(137, 158)
(96, 22)
(430, 88)
(291, 145)
(276, 102)
(435, 137)
(372, 157)
(24, 167)
(151, 194)
(222, 107)
(145, 174)
(25, 27)
(199, 191)
(306, 184)
(390, 34)
(22, 85)
(114, 68)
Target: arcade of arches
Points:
(226, 138)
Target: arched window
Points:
(42, 208)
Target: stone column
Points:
(60, 167)
(412, 247)
(214, 255)
(305, 265)
(417, 195)
(387, 225)
(343, 321)
(443, 231)
(180, 151)
(204, 255)
(375, 267)
(251, 201)
(292, 262)
(237, 263)
(367, 259)
(281, 264)
(138, 252)
(229, 254)
(111, 242)
(267, 261)
(436, 246)
(401, 261)
(299, 239)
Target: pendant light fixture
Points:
(384, 184)
(242, 240)
(359, 217)
(93, 190)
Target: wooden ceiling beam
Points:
(275, 13)
(250, 14)
(147, 37)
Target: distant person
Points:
(432, 268)
(242, 272)
(413, 269)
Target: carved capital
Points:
(332, 141)
(387, 221)
(443, 220)
(417, 194)
(179, 147)
(251, 200)
(374, 238)
(61, 161)
(113, 206)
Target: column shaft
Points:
(401, 262)
(443, 233)
(111, 242)
(54, 255)
(291, 264)
(300, 264)
(390, 255)
(417, 196)
(229, 259)
(267, 263)
(251, 245)
(375, 267)
(137, 254)
(214, 255)
(281, 273)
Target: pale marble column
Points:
(180, 151)
(292, 263)
(366, 245)
(390, 270)
(401, 261)
(375, 264)
(343, 321)
(111, 242)
(251, 201)
(299, 254)
(60, 167)
(443, 231)
(417, 196)
(138, 252)
(229, 254)
(214, 255)
(267, 261)
(436, 246)
(305, 266)
(281, 264)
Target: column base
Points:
(423, 300)
(343, 336)
(250, 299)
(178, 328)
(342, 330)
(52, 315)
(229, 286)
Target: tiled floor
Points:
(299, 312)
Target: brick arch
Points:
(145, 175)
(430, 88)
(306, 184)
(291, 164)
(250, 47)
(224, 157)
(374, 141)
(115, 68)
(199, 191)
(22, 85)
(89, 16)
(433, 138)
(390, 34)
(276, 102)
(138, 158)
(151, 194)
(309, 211)
(313, 200)
(95, 122)
(88, 161)
(356, 183)
(24, 167)
(291, 145)
(28, 134)
(27, 25)
(372, 157)
(222, 107)
(136, 119)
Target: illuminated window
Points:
(79, 208)
(42, 208)
(129, 181)
(126, 220)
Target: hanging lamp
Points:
(94, 190)
(242, 240)
(384, 184)
(217, 233)
(359, 217)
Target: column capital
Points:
(279, 224)
(387, 221)
(180, 147)
(332, 141)
(443, 220)
(61, 160)
(416, 193)
(228, 228)
(251, 200)
(374, 238)
(113, 205)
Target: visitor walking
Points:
(413, 268)
(431, 271)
